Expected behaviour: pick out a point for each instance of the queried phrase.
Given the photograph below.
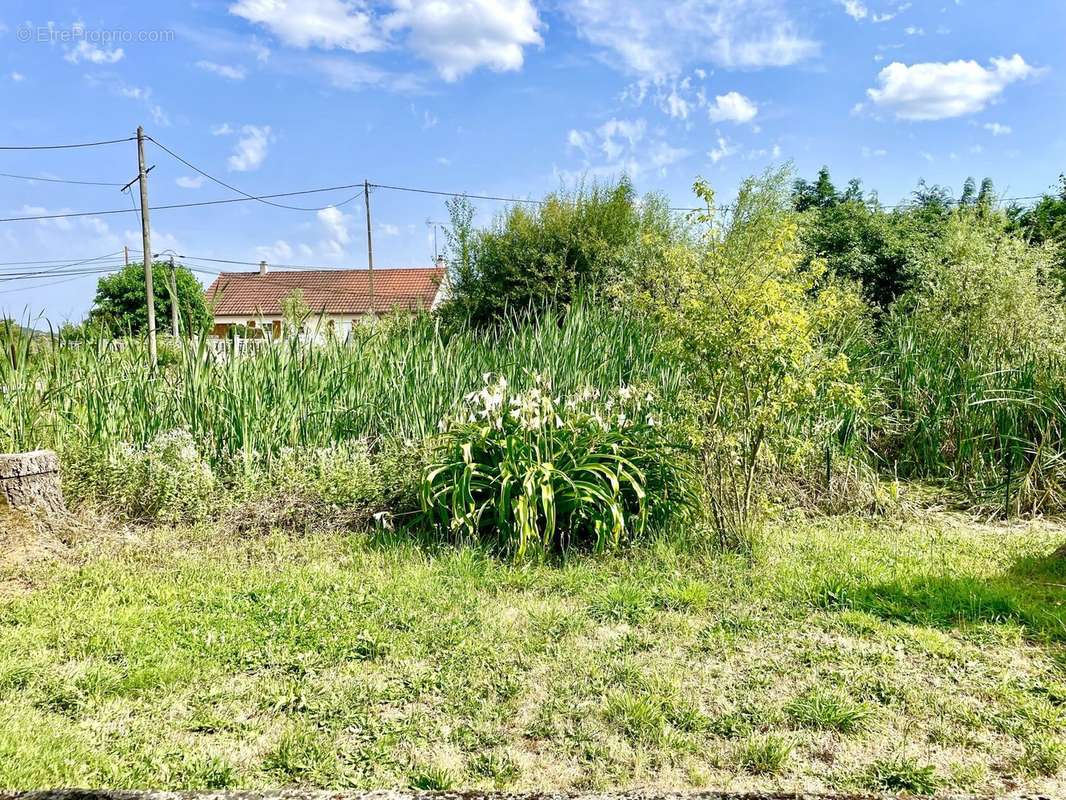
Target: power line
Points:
(65, 146)
(94, 270)
(226, 201)
(233, 188)
(39, 285)
(48, 260)
(56, 267)
(69, 215)
(57, 180)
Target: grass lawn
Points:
(922, 656)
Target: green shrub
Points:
(763, 341)
(342, 474)
(168, 481)
(534, 470)
(535, 256)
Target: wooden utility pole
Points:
(126, 254)
(146, 238)
(173, 299)
(369, 243)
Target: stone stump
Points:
(30, 480)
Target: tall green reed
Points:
(394, 378)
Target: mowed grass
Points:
(846, 654)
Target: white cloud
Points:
(429, 120)
(84, 51)
(997, 129)
(676, 106)
(914, 30)
(143, 94)
(337, 225)
(620, 145)
(722, 149)
(223, 70)
(868, 152)
(190, 181)
(888, 16)
(388, 229)
(854, 9)
(631, 131)
(350, 75)
(328, 24)
(251, 148)
(663, 155)
(732, 107)
(935, 90)
(277, 253)
(444, 161)
(659, 40)
(222, 130)
(459, 36)
(579, 140)
(17, 76)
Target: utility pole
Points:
(146, 238)
(126, 253)
(173, 299)
(369, 243)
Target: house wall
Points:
(315, 328)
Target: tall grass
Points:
(993, 423)
(395, 378)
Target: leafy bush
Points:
(763, 342)
(532, 470)
(167, 481)
(549, 253)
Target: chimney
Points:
(441, 263)
(262, 268)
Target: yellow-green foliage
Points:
(762, 339)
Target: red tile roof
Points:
(332, 291)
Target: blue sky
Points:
(498, 97)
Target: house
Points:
(335, 297)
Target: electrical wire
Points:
(233, 188)
(166, 207)
(86, 270)
(66, 146)
(57, 180)
(39, 285)
(58, 267)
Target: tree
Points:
(820, 194)
(1045, 224)
(119, 305)
(753, 328)
(861, 241)
(533, 256)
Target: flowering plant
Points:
(536, 469)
